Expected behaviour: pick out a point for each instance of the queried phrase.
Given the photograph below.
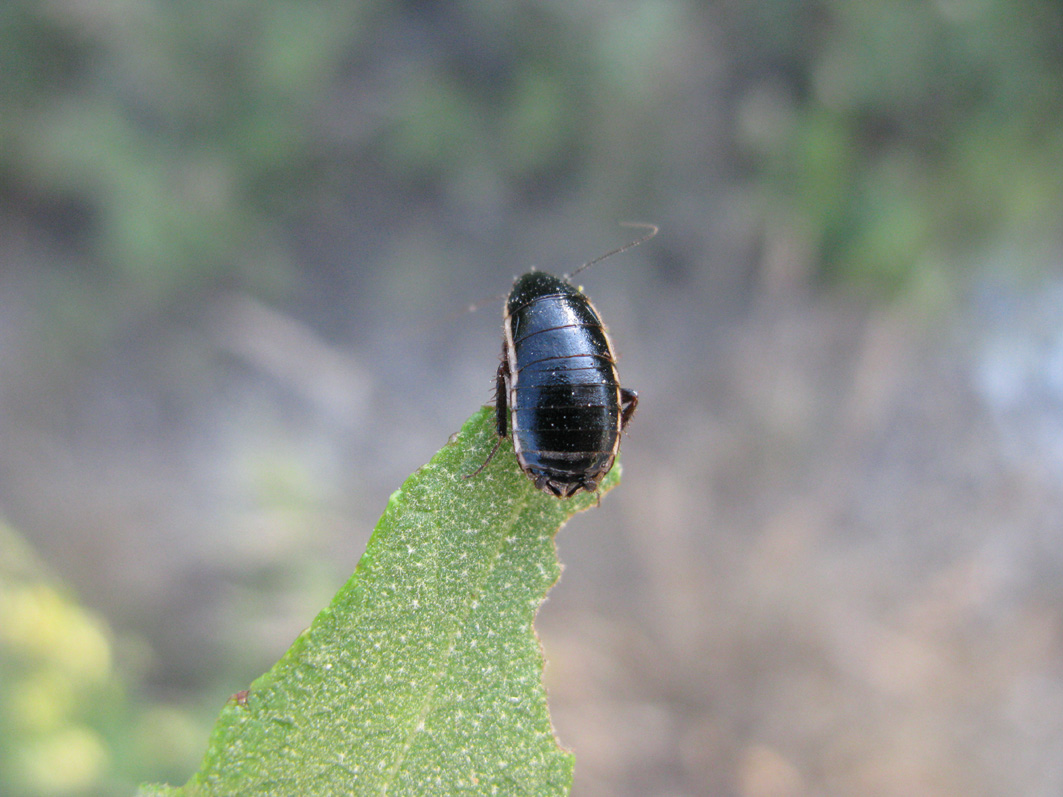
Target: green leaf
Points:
(424, 675)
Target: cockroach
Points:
(558, 394)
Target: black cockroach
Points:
(558, 394)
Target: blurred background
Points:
(236, 241)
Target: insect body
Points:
(558, 388)
(558, 393)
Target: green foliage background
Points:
(180, 142)
(68, 724)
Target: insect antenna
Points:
(652, 228)
(474, 307)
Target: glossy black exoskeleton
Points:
(558, 392)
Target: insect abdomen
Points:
(564, 397)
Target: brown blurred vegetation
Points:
(235, 240)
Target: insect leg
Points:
(502, 396)
(629, 401)
(501, 410)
